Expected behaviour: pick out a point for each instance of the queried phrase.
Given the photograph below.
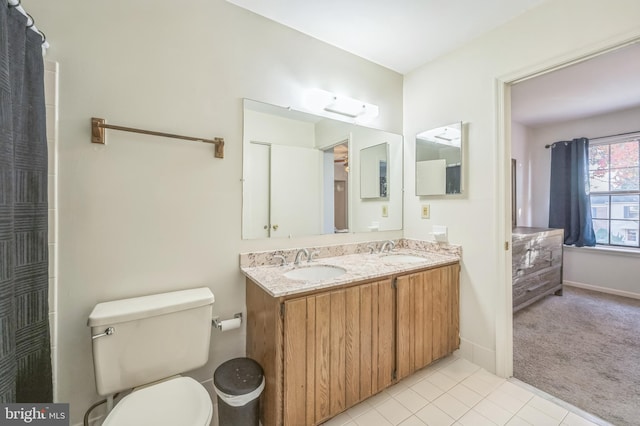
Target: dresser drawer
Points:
(533, 285)
(535, 254)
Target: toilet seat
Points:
(179, 401)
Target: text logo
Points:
(34, 414)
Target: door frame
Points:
(504, 312)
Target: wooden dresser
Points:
(536, 264)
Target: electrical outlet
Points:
(426, 211)
(385, 210)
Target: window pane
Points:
(624, 232)
(624, 179)
(601, 228)
(624, 206)
(598, 181)
(599, 168)
(599, 157)
(600, 207)
(624, 154)
(614, 179)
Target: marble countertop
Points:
(359, 267)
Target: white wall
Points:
(145, 214)
(601, 269)
(463, 86)
(520, 153)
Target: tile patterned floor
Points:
(453, 391)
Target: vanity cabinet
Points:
(428, 318)
(326, 351)
(536, 264)
(338, 350)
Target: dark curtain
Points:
(25, 354)
(569, 202)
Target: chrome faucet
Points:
(281, 258)
(387, 246)
(372, 248)
(299, 254)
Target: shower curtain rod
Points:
(98, 126)
(604, 137)
(31, 23)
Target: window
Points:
(614, 177)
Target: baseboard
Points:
(479, 355)
(602, 289)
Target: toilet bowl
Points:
(144, 344)
(178, 401)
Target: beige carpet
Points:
(583, 348)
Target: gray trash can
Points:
(238, 384)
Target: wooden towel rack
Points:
(98, 126)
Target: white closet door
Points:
(256, 192)
(295, 188)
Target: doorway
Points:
(526, 175)
(504, 319)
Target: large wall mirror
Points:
(304, 174)
(439, 169)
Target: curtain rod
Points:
(604, 137)
(15, 4)
(98, 126)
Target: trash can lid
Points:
(238, 376)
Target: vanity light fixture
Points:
(321, 101)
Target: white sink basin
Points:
(402, 258)
(315, 272)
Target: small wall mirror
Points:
(374, 171)
(439, 160)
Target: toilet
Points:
(144, 344)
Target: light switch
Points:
(426, 211)
(385, 210)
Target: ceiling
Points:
(602, 84)
(400, 34)
(405, 34)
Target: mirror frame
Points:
(441, 161)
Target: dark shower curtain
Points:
(25, 354)
(569, 201)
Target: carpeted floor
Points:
(583, 348)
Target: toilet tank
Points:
(154, 337)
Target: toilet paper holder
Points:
(217, 322)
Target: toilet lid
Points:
(179, 401)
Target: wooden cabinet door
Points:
(338, 350)
(446, 312)
(427, 318)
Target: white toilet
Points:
(144, 343)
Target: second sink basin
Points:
(402, 258)
(315, 272)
